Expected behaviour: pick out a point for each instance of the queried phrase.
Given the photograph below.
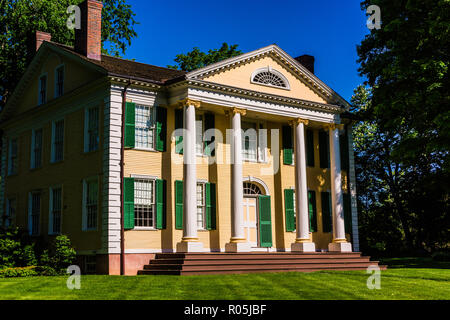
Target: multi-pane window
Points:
(91, 204)
(55, 210)
(42, 90)
(92, 129)
(144, 203)
(12, 156)
(254, 141)
(35, 213)
(199, 145)
(201, 206)
(36, 149)
(10, 212)
(144, 127)
(59, 84)
(58, 141)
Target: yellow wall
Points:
(76, 165)
(162, 165)
(240, 77)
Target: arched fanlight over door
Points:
(251, 189)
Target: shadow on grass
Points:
(413, 262)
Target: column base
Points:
(340, 247)
(303, 247)
(189, 246)
(238, 247)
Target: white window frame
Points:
(53, 149)
(85, 211)
(261, 149)
(51, 231)
(203, 205)
(33, 151)
(152, 127)
(152, 180)
(13, 169)
(30, 213)
(40, 102)
(202, 142)
(273, 71)
(86, 129)
(61, 66)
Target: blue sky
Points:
(327, 29)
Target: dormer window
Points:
(42, 89)
(59, 81)
(270, 77)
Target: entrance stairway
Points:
(224, 263)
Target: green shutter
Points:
(160, 190)
(326, 212)
(289, 209)
(310, 148)
(209, 124)
(347, 213)
(179, 125)
(129, 125)
(288, 146)
(312, 211)
(265, 222)
(210, 206)
(161, 128)
(324, 149)
(128, 203)
(343, 147)
(179, 205)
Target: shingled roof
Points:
(130, 69)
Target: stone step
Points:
(254, 261)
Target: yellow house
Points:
(250, 154)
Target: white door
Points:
(251, 220)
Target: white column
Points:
(339, 243)
(302, 241)
(190, 242)
(238, 242)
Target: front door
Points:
(251, 220)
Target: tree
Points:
(19, 19)
(196, 59)
(407, 161)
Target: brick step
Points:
(277, 260)
(212, 256)
(253, 266)
(211, 272)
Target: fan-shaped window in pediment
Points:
(270, 77)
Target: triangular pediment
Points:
(292, 79)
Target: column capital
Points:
(234, 110)
(333, 126)
(189, 102)
(297, 121)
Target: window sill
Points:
(144, 229)
(145, 149)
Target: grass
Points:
(409, 278)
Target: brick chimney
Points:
(40, 38)
(307, 61)
(88, 39)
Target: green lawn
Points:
(405, 279)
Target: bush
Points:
(441, 256)
(61, 254)
(18, 272)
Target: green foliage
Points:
(19, 19)
(62, 254)
(196, 59)
(18, 272)
(403, 146)
(441, 256)
(18, 254)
